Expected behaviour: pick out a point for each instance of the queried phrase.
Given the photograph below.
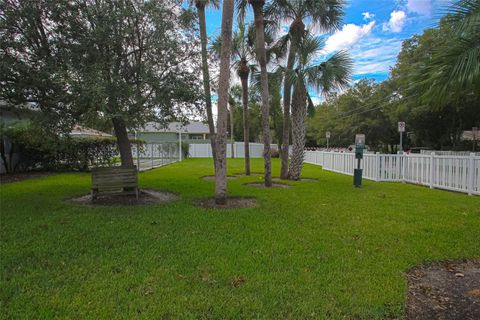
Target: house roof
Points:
(79, 131)
(192, 127)
(470, 134)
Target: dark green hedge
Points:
(26, 148)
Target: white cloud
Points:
(375, 55)
(423, 7)
(368, 16)
(348, 36)
(396, 22)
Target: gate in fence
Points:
(455, 173)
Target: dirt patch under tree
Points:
(146, 196)
(232, 203)
(261, 185)
(446, 290)
(212, 178)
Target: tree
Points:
(121, 60)
(201, 5)
(223, 95)
(325, 15)
(332, 74)
(455, 64)
(432, 121)
(242, 55)
(261, 55)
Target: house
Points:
(84, 132)
(193, 132)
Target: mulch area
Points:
(146, 196)
(446, 290)
(301, 179)
(16, 177)
(261, 185)
(212, 178)
(232, 203)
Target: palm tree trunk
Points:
(262, 61)
(287, 87)
(123, 142)
(298, 130)
(224, 84)
(246, 145)
(206, 76)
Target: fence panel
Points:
(204, 150)
(449, 172)
(153, 155)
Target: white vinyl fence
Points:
(153, 155)
(204, 150)
(455, 173)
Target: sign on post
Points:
(327, 135)
(359, 146)
(360, 139)
(401, 129)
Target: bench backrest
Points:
(112, 179)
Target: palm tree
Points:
(325, 15)
(223, 94)
(261, 55)
(201, 5)
(242, 55)
(455, 66)
(332, 74)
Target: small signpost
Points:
(401, 129)
(327, 135)
(359, 146)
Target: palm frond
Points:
(332, 74)
(464, 16)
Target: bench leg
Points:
(136, 192)
(93, 192)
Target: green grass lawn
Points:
(319, 250)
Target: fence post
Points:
(138, 157)
(403, 164)
(471, 173)
(180, 145)
(377, 166)
(432, 169)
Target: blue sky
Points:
(372, 31)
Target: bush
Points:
(26, 148)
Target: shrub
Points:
(27, 147)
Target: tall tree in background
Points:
(332, 74)
(243, 48)
(115, 59)
(261, 55)
(201, 5)
(223, 95)
(325, 15)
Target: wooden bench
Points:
(114, 181)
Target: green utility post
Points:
(359, 146)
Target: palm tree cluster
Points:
(257, 54)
